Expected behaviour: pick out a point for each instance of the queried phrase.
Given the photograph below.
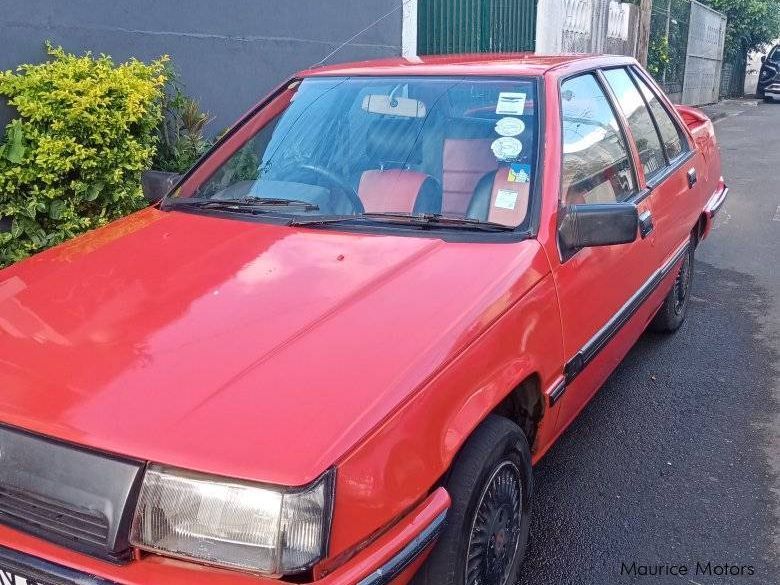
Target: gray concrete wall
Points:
(229, 52)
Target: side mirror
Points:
(157, 184)
(763, 58)
(584, 225)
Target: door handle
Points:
(692, 178)
(645, 224)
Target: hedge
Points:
(72, 159)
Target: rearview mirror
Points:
(386, 105)
(585, 225)
(157, 184)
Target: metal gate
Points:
(668, 47)
(704, 60)
(475, 26)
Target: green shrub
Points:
(181, 134)
(72, 159)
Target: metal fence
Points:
(704, 57)
(685, 53)
(732, 77)
(669, 45)
(475, 26)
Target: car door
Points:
(597, 286)
(676, 189)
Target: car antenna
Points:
(356, 35)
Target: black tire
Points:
(672, 313)
(491, 476)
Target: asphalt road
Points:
(676, 459)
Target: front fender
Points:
(406, 456)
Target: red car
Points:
(334, 351)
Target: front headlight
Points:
(231, 523)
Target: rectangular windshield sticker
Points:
(519, 173)
(506, 199)
(510, 103)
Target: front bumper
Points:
(391, 559)
(767, 77)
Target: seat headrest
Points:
(394, 140)
(500, 198)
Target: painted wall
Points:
(228, 52)
(586, 26)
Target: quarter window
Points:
(651, 152)
(673, 139)
(596, 163)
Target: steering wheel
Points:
(340, 182)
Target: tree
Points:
(751, 23)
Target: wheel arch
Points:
(525, 406)
(523, 403)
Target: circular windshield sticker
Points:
(506, 148)
(510, 126)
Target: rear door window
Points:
(673, 139)
(648, 143)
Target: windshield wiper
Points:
(438, 220)
(423, 220)
(245, 204)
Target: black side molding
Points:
(595, 344)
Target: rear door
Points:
(672, 172)
(597, 286)
(675, 189)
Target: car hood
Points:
(238, 348)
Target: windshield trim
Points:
(527, 229)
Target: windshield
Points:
(445, 148)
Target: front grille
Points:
(58, 519)
(78, 498)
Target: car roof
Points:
(498, 64)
